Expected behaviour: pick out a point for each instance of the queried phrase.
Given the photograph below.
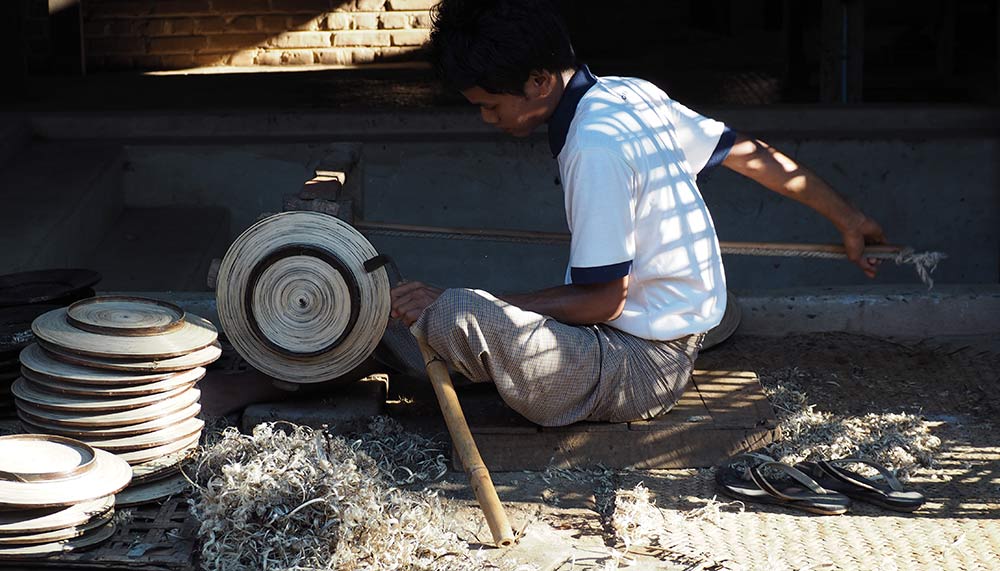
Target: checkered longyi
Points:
(552, 373)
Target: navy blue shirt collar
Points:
(559, 122)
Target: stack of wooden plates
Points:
(119, 374)
(56, 495)
(303, 296)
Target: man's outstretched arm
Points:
(776, 171)
(572, 304)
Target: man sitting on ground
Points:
(618, 341)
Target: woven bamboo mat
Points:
(958, 529)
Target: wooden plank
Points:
(722, 413)
(675, 446)
(734, 398)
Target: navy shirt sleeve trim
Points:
(599, 274)
(722, 148)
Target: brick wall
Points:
(178, 34)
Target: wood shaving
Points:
(291, 498)
(899, 441)
(641, 528)
(402, 457)
(635, 519)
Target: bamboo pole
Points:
(468, 453)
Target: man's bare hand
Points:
(410, 299)
(859, 232)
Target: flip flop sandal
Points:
(797, 490)
(888, 493)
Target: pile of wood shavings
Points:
(288, 497)
(402, 457)
(641, 528)
(899, 441)
(635, 519)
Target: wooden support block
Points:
(721, 414)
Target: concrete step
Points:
(166, 248)
(58, 200)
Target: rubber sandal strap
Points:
(837, 469)
(750, 459)
(795, 474)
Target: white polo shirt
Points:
(629, 157)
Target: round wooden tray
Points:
(23, 522)
(26, 458)
(296, 301)
(26, 391)
(159, 423)
(148, 440)
(57, 534)
(41, 362)
(142, 456)
(199, 358)
(109, 475)
(125, 316)
(52, 385)
(110, 419)
(151, 492)
(44, 285)
(195, 333)
(160, 468)
(86, 540)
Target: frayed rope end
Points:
(924, 262)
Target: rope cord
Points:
(923, 262)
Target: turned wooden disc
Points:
(27, 391)
(38, 425)
(57, 534)
(148, 440)
(89, 539)
(108, 475)
(109, 419)
(160, 468)
(199, 358)
(725, 329)
(41, 457)
(125, 315)
(55, 385)
(147, 454)
(145, 493)
(296, 301)
(195, 333)
(23, 522)
(44, 285)
(42, 363)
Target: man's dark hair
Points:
(496, 44)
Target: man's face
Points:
(517, 115)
